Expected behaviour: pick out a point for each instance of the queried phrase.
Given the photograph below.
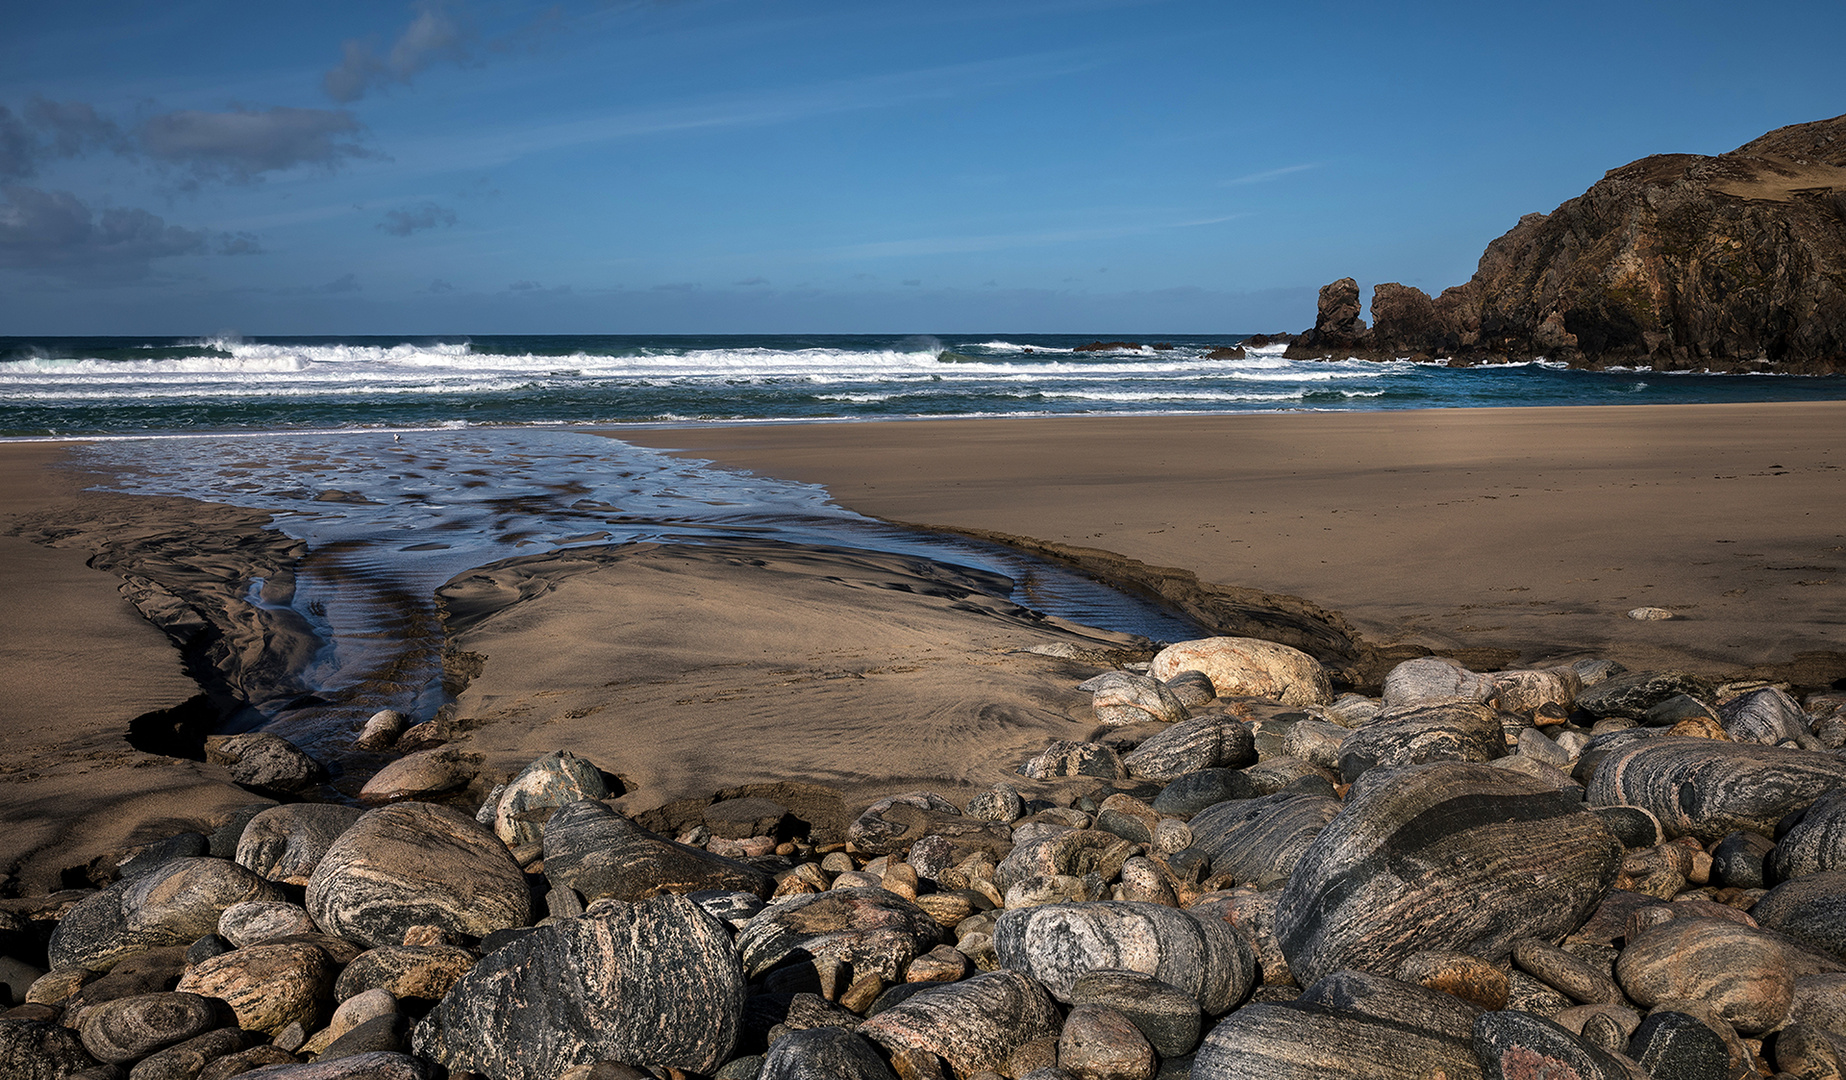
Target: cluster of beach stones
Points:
(1570, 872)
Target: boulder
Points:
(875, 931)
(654, 984)
(1166, 1016)
(1069, 757)
(1076, 853)
(1248, 667)
(603, 855)
(36, 1050)
(892, 824)
(1259, 841)
(1396, 737)
(404, 971)
(1296, 1041)
(1433, 680)
(529, 799)
(1706, 789)
(1208, 741)
(1122, 697)
(1059, 943)
(1816, 843)
(175, 904)
(973, 1025)
(1513, 1045)
(1740, 973)
(284, 843)
(381, 730)
(824, 1053)
(1767, 716)
(125, 1030)
(268, 986)
(252, 921)
(267, 764)
(1810, 909)
(1448, 855)
(1099, 1043)
(1633, 693)
(423, 774)
(417, 864)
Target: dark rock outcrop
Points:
(1677, 261)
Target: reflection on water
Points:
(388, 518)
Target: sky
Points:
(828, 166)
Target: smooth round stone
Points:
(1193, 688)
(128, 1029)
(1259, 841)
(1519, 1044)
(1817, 843)
(1433, 680)
(1805, 1051)
(1251, 915)
(1187, 794)
(530, 798)
(1058, 943)
(1000, 803)
(603, 855)
(1318, 741)
(1098, 1042)
(1706, 789)
(173, 905)
(1677, 708)
(421, 775)
(1278, 774)
(267, 986)
(1469, 978)
(186, 845)
(186, 1060)
(823, 1053)
(1248, 667)
(1209, 741)
(381, 1033)
(1451, 856)
(1767, 716)
(252, 921)
(35, 1050)
(1811, 909)
(284, 843)
(653, 984)
(1396, 738)
(1631, 694)
(876, 931)
(355, 1010)
(1298, 1041)
(1168, 1017)
(1394, 1001)
(376, 1065)
(225, 838)
(1122, 697)
(1067, 757)
(404, 971)
(972, 1025)
(1740, 973)
(416, 864)
(267, 764)
(1674, 1046)
(1565, 972)
(1528, 692)
(381, 730)
(1740, 861)
(1633, 826)
(1820, 1000)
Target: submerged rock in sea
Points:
(1248, 667)
(417, 864)
(1449, 855)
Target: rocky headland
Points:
(1732, 263)
(1572, 870)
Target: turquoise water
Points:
(132, 386)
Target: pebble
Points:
(1099, 1043)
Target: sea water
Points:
(127, 386)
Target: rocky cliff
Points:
(1676, 261)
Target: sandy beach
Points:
(1519, 536)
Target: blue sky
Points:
(721, 166)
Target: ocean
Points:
(403, 462)
(57, 387)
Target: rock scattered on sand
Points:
(1477, 874)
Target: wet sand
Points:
(1522, 533)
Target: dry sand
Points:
(1531, 531)
(684, 670)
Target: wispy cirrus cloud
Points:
(1270, 174)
